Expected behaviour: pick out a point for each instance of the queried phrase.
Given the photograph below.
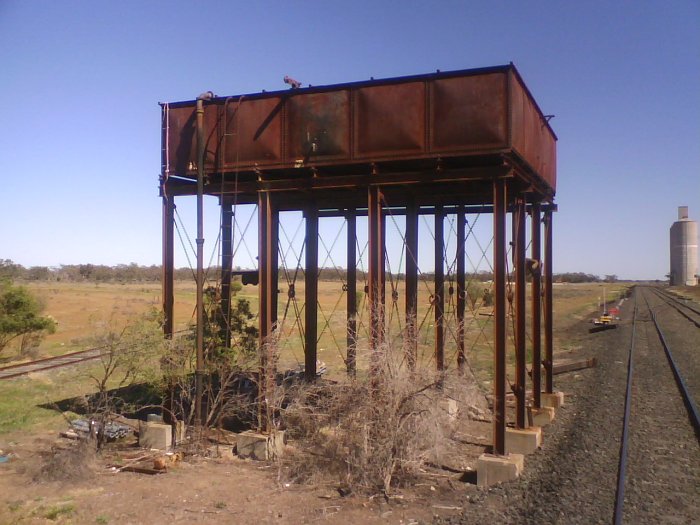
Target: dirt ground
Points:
(215, 490)
(231, 490)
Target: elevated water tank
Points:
(684, 250)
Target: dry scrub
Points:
(370, 434)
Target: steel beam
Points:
(351, 356)
(168, 264)
(536, 297)
(548, 304)
(375, 267)
(461, 286)
(353, 181)
(311, 292)
(499, 316)
(520, 301)
(439, 291)
(226, 268)
(411, 341)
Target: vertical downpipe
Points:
(199, 371)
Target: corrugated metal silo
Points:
(684, 250)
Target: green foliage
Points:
(130, 355)
(55, 512)
(20, 314)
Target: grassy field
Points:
(85, 309)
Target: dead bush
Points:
(370, 434)
(75, 463)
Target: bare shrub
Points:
(370, 434)
(75, 463)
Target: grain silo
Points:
(684, 250)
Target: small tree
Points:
(20, 315)
(129, 355)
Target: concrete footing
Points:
(155, 435)
(553, 400)
(523, 441)
(492, 469)
(541, 417)
(261, 447)
(451, 408)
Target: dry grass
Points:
(367, 435)
(77, 462)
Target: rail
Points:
(48, 363)
(678, 305)
(688, 401)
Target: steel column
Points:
(168, 264)
(499, 316)
(226, 268)
(439, 292)
(350, 360)
(411, 341)
(274, 263)
(265, 296)
(536, 296)
(311, 293)
(548, 304)
(375, 267)
(461, 288)
(520, 301)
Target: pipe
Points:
(199, 371)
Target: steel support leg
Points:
(226, 268)
(351, 357)
(499, 316)
(376, 265)
(168, 264)
(461, 287)
(548, 304)
(439, 293)
(520, 301)
(536, 297)
(265, 291)
(411, 341)
(311, 293)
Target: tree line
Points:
(139, 273)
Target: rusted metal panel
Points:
(389, 121)
(469, 113)
(421, 121)
(531, 136)
(252, 132)
(318, 126)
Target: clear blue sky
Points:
(80, 83)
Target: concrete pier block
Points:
(261, 447)
(451, 408)
(155, 435)
(492, 469)
(553, 400)
(523, 441)
(542, 417)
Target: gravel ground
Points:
(663, 472)
(573, 478)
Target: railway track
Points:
(661, 429)
(686, 310)
(48, 363)
(69, 359)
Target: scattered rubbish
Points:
(112, 431)
(5, 458)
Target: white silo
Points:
(684, 250)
